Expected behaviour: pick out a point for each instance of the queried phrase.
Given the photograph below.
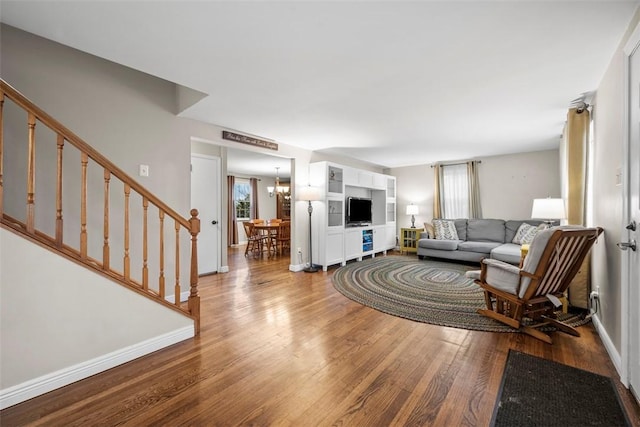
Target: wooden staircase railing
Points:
(80, 253)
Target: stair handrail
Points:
(192, 225)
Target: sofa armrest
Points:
(424, 235)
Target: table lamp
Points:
(412, 210)
(548, 209)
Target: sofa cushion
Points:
(445, 229)
(445, 245)
(509, 252)
(461, 228)
(480, 247)
(485, 230)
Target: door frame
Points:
(625, 285)
(218, 212)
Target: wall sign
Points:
(249, 140)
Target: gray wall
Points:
(129, 117)
(508, 185)
(608, 117)
(49, 323)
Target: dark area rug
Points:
(426, 291)
(539, 392)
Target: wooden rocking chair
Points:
(533, 292)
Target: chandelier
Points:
(282, 189)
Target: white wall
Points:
(508, 185)
(129, 117)
(414, 184)
(608, 117)
(55, 314)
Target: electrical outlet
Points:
(299, 250)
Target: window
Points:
(457, 191)
(242, 199)
(455, 184)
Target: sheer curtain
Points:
(232, 226)
(457, 191)
(455, 188)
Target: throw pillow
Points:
(445, 229)
(430, 231)
(526, 233)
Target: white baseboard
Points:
(46, 383)
(223, 269)
(615, 357)
(296, 267)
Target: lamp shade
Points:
(548, 209)
(309, 193)
(412, 209)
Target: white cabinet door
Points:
(334, 249)
(379, 239)
(353, 244)
(365, 179)
(350, 176)
(379, 181)
(390, 236)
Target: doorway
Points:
(205, 196)
(631, 234)
(245, 164)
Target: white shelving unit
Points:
(333, 241)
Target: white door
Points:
(205, 196)
(631, 257)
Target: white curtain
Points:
(456, 195)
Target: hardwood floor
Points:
(283, 348)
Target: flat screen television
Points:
(358, 211)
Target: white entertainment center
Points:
(335, 241)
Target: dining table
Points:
(269, 229)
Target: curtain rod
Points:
(244, 177)
(454, 164)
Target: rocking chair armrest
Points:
(498, 275)
(494, 263)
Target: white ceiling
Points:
(245, 163)
(393, 83)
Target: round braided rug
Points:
(432, 292)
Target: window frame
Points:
(247, 199)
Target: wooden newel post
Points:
(194, 299)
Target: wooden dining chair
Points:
(255, 241)
(283, 238)
(527, 298)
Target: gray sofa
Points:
(478, 239)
